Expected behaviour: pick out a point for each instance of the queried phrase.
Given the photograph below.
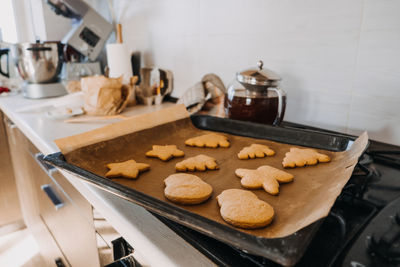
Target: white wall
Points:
(340, 60)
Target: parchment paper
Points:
(300, 203)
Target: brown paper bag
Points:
(104, 96)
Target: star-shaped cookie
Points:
(255, 151)
(212, 140)
(266, 177)
(197, 163)
(297, 157)
(165, 152)
(128, 169)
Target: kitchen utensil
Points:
(255, 96)
(154, 81)
(38, 62)
(5, 52)
(58, 113)
(39, 65)
(135, 62)
(96, 119)
(285, 250)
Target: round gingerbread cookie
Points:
(183, 188)
(242, 208)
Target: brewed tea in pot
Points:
(255, 96)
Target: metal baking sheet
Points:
(88, 163)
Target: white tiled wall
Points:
(339, 60)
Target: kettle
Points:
(255, 96)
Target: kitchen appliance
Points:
(74, 71)
(90, 30)
(362, 229)
(39, 65)
(255, 96)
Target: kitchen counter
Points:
(155, 244)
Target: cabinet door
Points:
(67, 215)
(10, 210)
(28, 197)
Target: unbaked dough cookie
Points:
(297, 157)
(255, 150)
(266, 177)
(128, 169)
(242, 208)
(212, 140)
(184, 188)
(165, 152)
(197, 163)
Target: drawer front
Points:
(68, 222)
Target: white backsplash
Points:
(339, 60)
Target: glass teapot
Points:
(255, 96)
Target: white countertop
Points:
(156, 244)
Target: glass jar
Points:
(255, 96)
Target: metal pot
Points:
(37, 63)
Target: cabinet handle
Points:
(59, 262)
(57, 202)
(11, 126)
(9, 123)
(50, 170)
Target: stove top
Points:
(362, 229)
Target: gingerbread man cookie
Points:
(184, 188)
(128, 169)
(212, 140)
(297, 157)
(165, 152)
(265, 177)
(255, 150)
(197, 163)
(242, 208)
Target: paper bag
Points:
(104, 96)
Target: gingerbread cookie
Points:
(128, 169)
(183, 188)
(265, 177)
(165, 152)
(212, 140)
(242, 208)
(297, 157)
(255, 150)
(197, 163)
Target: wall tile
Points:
(378, 68)
(379, 116)
(328, 110)
(330, 54)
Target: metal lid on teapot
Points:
(258, 79)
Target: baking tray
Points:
(286, 251)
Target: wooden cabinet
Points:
(10, 211)
(60, 219)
